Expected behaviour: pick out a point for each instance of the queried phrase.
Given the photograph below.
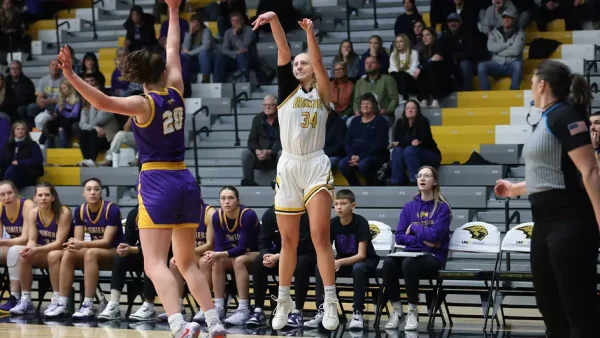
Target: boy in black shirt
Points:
(355, 257)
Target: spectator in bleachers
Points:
(267, 263)
(129, 257)
(67, 113)
(404, 22)
(413, 145)
(226, 8)
(21, 159)
(383, 86)
(205, 241)
(12, 34)
(6, 98)
(140, 30)
(4, 129)
(404, 66)
(494, 16)
(75, 60)
(13, 211)
(462, 46)
(22, 89)
(437, 8)
(355, 254)
(47, 92)
(468, 12)
(434, 79)
(122, 137)
(236, 247)
(118, 84)
(48, 227)
(341, 89)
(424, 226)
(90, 65)
(574, 13)
(506, 45)
(347, 55)
(417, 36)
(334, 138)
(377, 51)
(161, 8)
(98, 129)
(365, 143)
(595, 134)
(102, 221)
(239, 49)
(201, 48)
(264, 145)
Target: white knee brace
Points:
(12, 258)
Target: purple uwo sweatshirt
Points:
(425, 226)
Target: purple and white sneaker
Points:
(12, 302)
(295, 319)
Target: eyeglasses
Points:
(423, 176)
(268, 105)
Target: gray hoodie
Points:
(493, 18)
(506, 48)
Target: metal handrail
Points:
(94, 2)
(195, 135)
(236, 99)
(67, 23)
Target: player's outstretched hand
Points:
(307, 25)
(65, 61)
(173, 3)
(263, 19)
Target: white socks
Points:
(211, 316)
(330, 292)
(115, 296)
(174, 321)
(220, 303)
(284, 292)
(244, 304)
(88, 300)
(26, 296)
(15, 294)
(63, 300)
(412, 307)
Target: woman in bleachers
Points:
(236, 230)
(66, 114)
(416, 38)
(140, 30)
(434, 78)
(118, 84)
(12, 35)
(377, 50)
(404, 66)
(205, 241)
(424, 226)
(366, 142)
(102, 221)
(48, 227)
(201, 48)
(13, 211)
(341, 89)
(413, 145)
(90, 65)
(347, 55)
(21, 159)
(97, 130)
(129, 257)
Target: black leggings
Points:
(304, 267)
(132, 262)
(360, 273)
(90, 144)
(412, 269)
(406, 83)
(564, 255)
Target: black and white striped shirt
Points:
(548, 167)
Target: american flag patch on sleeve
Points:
(577, 127)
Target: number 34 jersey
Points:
(302, 122)
(162, 137)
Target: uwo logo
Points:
(478, 232)
(527, 230)
(374, 229)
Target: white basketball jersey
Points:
(302, 122)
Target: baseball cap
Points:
(510, 13)
(454, 17)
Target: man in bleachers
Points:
(264, 145)
(22, 89)
(575, 13)
(462, 45)
(468, 11)
(383, 86)
(239, 49)
(506, 45)
(47, 91)
(493, 17)
(123, 137)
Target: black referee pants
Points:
(132, 262)
(564, 258)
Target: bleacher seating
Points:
(490, 123)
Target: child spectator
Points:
(347, 55)
(356, 256)
(66, 114)
(404, 66)
(424, 226)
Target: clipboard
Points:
(407, 254)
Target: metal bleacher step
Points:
(217, 135)
(102, 35)
(476, 175)
(517, 172)
(221, 153)
(220, 172)
(498, 216)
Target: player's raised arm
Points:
(131, 106)
(316, 59)
(174, 76)
(284, 54)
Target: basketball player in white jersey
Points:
(304, 181)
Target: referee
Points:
(563, 182)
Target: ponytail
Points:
(580, 96)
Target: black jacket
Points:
(335, 135)
(420, 130)
(469, 15)
(23, 90)
(27, 153)
(269, 240)
(462, 46)
(132, 233)
(146, 31)
(260, 138)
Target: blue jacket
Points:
(425, 227)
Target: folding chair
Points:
(517, 240)
(472, 237)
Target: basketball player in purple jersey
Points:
(168, 194)
(13, 210)
(48, 227)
